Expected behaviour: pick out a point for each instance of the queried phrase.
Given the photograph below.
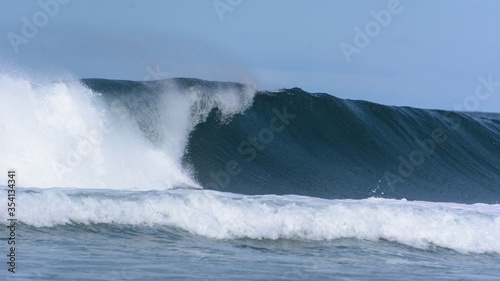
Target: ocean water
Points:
(185, 179)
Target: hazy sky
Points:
(430, 54)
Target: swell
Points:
(333, 148)
(191, 133)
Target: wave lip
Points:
(97, 133)
(463, 228)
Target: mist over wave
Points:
(64, 134)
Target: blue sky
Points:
(429, 54)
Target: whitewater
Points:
(464, 228)
(191, 179)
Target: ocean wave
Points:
(191, 133)
(334, 148)
(463, 228)
(99, 133)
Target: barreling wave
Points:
(294, 142)
(190, 133)
(424, 225)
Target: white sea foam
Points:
(57, 135)
(464, 228)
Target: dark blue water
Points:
(294, 142)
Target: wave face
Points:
(294, 142)
(190, 133)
